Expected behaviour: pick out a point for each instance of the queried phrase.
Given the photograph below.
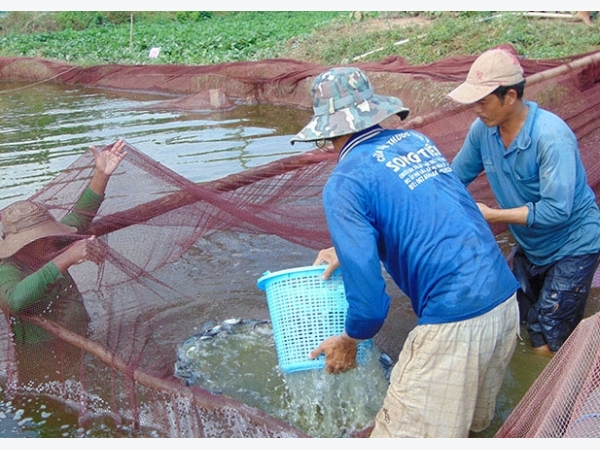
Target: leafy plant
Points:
(325, 37)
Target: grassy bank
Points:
(326, 37)
(87, 38)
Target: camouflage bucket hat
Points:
(24, 222)
(344, 103)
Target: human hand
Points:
(485, 210)
(109, 159)
(340, 353)
(327, 256)
(82, 250)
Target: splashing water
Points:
(237, 358)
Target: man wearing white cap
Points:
(532, 162)
(392, 199)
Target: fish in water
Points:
(208, 331)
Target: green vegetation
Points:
(326, 37)
(88, 37)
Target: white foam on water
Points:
(241, 362)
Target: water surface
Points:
(45, 127)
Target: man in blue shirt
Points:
(393, 199)
(532, 162)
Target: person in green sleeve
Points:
(36, 252)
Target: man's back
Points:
(395, 192)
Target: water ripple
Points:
(46, 127)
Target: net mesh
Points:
(564, 401)
(178, 252)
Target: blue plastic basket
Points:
(305, 310)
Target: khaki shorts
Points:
(448, 376)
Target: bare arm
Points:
(517, 216)
(106, 163)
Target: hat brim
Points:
(468, 93)
(352, 119)
(12, 243)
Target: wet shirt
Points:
(541, 169)
(47, 291)
(393, 200)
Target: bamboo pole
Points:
(564, 68)
(201, 397)
(536, 78)
(149, 210)
(550, 15)
(130, 30)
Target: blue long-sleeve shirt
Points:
(541, 169)
(393, 199)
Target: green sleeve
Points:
(84, 211)
(19, 293)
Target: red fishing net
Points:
(564, 401)
(180, 253)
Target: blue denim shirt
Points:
(541, 169)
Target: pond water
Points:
(46, 127)
(311, 400)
